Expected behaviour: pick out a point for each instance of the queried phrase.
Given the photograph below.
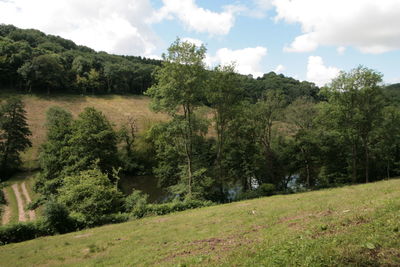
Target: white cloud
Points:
(119, 26)
(247, 60)
(197, 18)
(340, 50)
(318, 73)
(258, 8)
(194, 41)
(302, 43)
(279, 69)
(369, 25)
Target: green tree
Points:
(92, 140)
(14, 135)
(223, 96)
(388, 144)
(55, 152)
(357, 104)
(301, 116)
(89, 195)
(266, 112)
(179, 89)
(44, 71)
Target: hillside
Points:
(116, 108)
(348, 226)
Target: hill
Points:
(116, 108)
(348, 226)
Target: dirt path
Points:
(21, 211)
(31, 213)
(6, 211)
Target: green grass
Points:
(348, 226)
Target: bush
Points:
(136, 203)
(2, 198)
(162, 209)
(19, 232)
(56, 217)
(262, 191)
(89, 196)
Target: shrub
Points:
(165, 208)
(56, 217)
(136, 203)
(89, 196)
(2, 198)
(262, 191)
(19, 232)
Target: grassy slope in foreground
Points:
(355, 225)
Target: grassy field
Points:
(348, 226)
(116, 108)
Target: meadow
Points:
(348, 226)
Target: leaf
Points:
(370, 245)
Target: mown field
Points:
(116, 108)
(19, 181)
(348, 226)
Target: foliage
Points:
(165, 208)
(47, 63)
(89, 195)
(55, 152)
(93, 141)
(136, 203)
(14, 135)
(262, 191)
(56, 217)
(2, 197)
(18, 232)
(178, 91)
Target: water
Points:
(146, 184)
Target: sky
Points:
(306, 39)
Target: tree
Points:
(301, 114)
(93, 140)
(358, 103)
(266, 111)
(388, 136)
(223, 95)
(179, 88)
(89, 195)
(14, 135)
(44, 71)
(55, 152)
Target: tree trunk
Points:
(388, 169)
(189, 148)
(366, 161)
(354, 163)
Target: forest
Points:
(229, 137)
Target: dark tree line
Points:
(32, 61)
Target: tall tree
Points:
(55, 152)
(14, 135)
(223, 96)
(267, 111)
(93, 140)
(300, 114)
(358, 105)
(178, 91)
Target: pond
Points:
(146, 184)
